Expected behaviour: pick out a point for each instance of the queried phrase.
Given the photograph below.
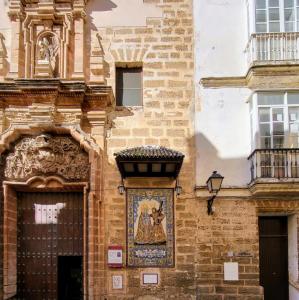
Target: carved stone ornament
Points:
(47, 55)
(45, 155)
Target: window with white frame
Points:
(274, 118)
(276, 15)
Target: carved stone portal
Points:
(47, 155)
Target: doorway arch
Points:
(56, 160)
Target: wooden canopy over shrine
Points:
(149, 161)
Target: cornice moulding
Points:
(76, 93)
(265, 76)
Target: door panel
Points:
(274, 257)
(49, 225)
(70, 277)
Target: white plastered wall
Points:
(220, 37)
(222, 121)
(223, 136)
(106, 13)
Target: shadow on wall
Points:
(98, 6)
(96, 48)
(119, 112)
(4, 65)
(103, 5)
(236, 170)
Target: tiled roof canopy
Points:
(149, 152)
(149, 161)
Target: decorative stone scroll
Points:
(47, 155)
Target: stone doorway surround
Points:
(35, 108)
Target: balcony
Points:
(272, 48)
(274, 171)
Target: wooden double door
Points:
(49, 246)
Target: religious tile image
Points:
(150, 228)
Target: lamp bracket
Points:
(210, 204)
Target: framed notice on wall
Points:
(115, 256)
(117, 282)
(150, 233)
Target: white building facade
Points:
(247, 128)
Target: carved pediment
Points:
(47, 155)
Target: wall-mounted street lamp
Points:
(121, 188)
(214, 185)
(178, 189)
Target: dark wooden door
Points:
(49, 225)
(274, 257)
(70, 278)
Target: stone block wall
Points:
(164, 49)
(230, 235)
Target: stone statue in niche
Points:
(47, 55)
(47, 155)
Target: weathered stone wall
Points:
(231, 234)
(202, 242)
(10, 242)
(164, 49)
(1, 247)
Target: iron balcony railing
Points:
(266, 47)
(274, 163)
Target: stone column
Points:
(78, 71)
(2, 56)
(16, 53)
(2, 117)
(97, 60)
(97, 120)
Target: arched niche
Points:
(47, 55)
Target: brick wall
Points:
(1, 244)
(10, 243)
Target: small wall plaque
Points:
(115, 256)
(117, 282)
(150, 278)
(231, 271)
